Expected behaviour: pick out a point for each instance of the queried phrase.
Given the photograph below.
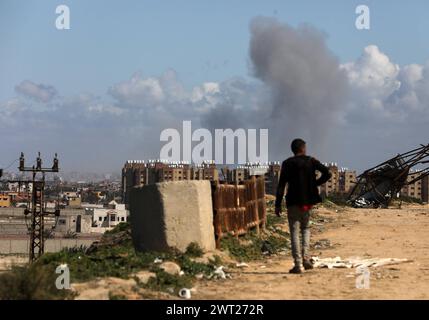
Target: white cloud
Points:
(382, 89)
(138, 91)
(38, 92)
(373, 77)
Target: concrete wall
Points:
(172, 214)
(12, 221)
(20, 246)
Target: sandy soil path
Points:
(383, 233)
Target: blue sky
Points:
(109, 80)
(201, 40)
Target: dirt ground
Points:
(368, 233)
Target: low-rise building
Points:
(4, 200)
(73, 221)
(108, 217)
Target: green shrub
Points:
(194, 250)
(31, 282)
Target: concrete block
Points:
(172, 214)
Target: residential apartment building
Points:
(137, 173)
(347, 180)
(270, 171)
(425, 189)
(418, 189)
(333, 184)
(205, 171)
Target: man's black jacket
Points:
(299, 172)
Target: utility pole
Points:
(37, 210)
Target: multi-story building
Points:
(272, 177)
(270, 171)
(237, 175)
(333, 184)
(425, 189)
(347, 180)
(205, 171)
(137, 173)
(416, 189)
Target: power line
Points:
(37, 209)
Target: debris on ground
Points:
(220, 273)
(322, 244)
(144, 276)
(185, 293)
(171, 268)
(242, 265)
(354, 262)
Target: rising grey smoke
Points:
(308, 89)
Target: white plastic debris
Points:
(157, 260)
(354, 262)
(220, 273)
(181, 273)
(242, 265)
(199, 276)
(185, 293)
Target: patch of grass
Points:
(116, 261)
(31, 282)
(113, 256)
(257, 247)
(194, 250)
(193, 268)
(169, 283)
(273, 219)
(114, 296)
(336, 199)
(242, 252)
(121, 227)
(254, 247)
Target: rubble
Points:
(170, 267)
(144, 276)
(185, 293)
(354, 262)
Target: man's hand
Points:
(278, 211)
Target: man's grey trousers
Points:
(299, 223)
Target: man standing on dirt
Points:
(299, 173)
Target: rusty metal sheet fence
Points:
(238, 208)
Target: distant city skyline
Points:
(102, 92)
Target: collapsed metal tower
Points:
(377, 186)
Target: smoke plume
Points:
(307, 87)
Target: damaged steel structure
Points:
(377, 186)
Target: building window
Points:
(112, 217)
(100, 218)
(122, 219)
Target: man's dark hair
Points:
(297, 145)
